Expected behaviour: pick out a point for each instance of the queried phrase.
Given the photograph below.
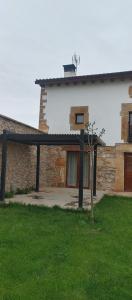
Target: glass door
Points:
(72, 165)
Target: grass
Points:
(52, 254)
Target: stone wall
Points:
(21, 163)
(20, 167)
(77, 110)
(110, 167)
(120, 150)
(42, 112)
(125, 109)
(53, 166)
(21, 159)
(106, 168)
(15, 126)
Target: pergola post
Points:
(94, 171)
(3, 166)
(80, 204)
(37, 168)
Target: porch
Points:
(62, 197)
(66, 198)
(49, 140)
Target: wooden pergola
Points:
(48, 140)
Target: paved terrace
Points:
(63, 197)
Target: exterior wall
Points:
(14, 126)
(106, 168)
(120, 150)
(130, 91)
(103, 99)
(110, 167)
(126, 108)
(42, 120)
(52, 167)
(105, 104)
(20, 167)
(72, 119)
(21, 159)
(21, 163)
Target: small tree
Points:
(91, 131)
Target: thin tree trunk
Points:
(91, 184)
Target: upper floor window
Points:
(79, 118)
(130, 124)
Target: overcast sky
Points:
(38, 36)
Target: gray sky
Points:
(38, 36)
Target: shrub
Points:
(9, 194)
(23, 191)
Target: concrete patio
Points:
(63, 197)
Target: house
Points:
(108, 97)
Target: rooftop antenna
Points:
(76, 60)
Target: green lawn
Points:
(54, 254)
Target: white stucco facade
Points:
(103, 99)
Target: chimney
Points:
(69, 70)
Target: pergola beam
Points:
(49, 139)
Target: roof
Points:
(85, 78)
(18, 122)
(48, 139)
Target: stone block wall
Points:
(21, 163)
(15, 126)
(106, 168)
(121, 149)
(72, 118)
(125, 109)
(21, 159)
(20, 167)
(52, 166)
(42, 112)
